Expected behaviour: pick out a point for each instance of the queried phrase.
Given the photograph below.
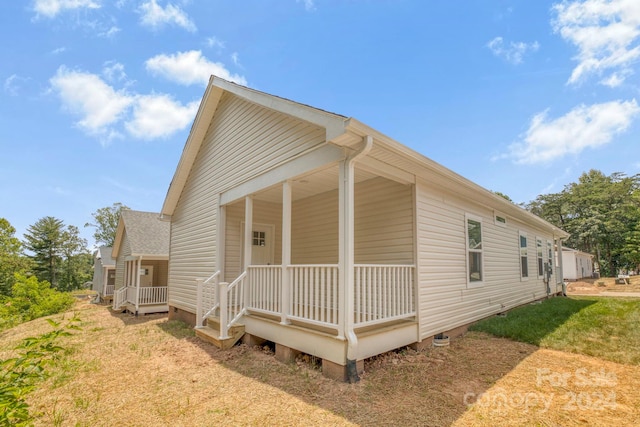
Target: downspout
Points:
(348, 183)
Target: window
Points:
(474, 250)
(499, 219)
(259, 238)
(539, 253)
(524, 256)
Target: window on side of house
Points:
(474, 251)
(550, 258)
(540, 257)
(524, 256)
(499, 219)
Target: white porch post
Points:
(221, 238)
(138, 284)
(346, 254)
(286, 251)
(248, 242)
(248, 230)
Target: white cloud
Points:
(58, 50)
(87, 95)
(215, 42)
(51, 8)
(113, 71)
(513, 52)
(581, 128)
(13, 84)
(110, 32)
(606, 33)
(308, 4)
(157, 116)
(107, 113)
(235, 58)
(189, 68)
(155, 16)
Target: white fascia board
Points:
(480, 194)
(196, 136)
(147, 257)
(333, 123)
(306, 162)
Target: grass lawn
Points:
(595, 326)
(149, 371)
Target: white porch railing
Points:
(232, 303)
(383, 293)
(119, 298)
(108, 290)
(148, 295)
(152, 295)
(265, 289)
(207, 299)
(314, 294)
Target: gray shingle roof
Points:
(105, 256)
(147, 234)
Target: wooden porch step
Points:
(211, 333)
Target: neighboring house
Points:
(104, 273)
(318, 233)
(141, 251)
(576, 264)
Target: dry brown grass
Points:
(148, 371)
(608, 284)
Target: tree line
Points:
(602, 214)
(51, 260)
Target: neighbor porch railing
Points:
(108, 290)
(146, 295)
(382, 293)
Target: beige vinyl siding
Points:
(243, 141)
(445, 300)
(125, 251)
(263, 213)
(314, 229)
(383, 222)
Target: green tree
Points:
(76, 263)
(106, 223)
(11, 259)
(60, 255)
(45, 240)
(600, 212)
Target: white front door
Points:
(261, 244)
(146, 275)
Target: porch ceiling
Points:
(310, 184)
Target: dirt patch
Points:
(123, 370)
(605, 284)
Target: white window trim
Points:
(541, 257)
(478, 283)
(523, 234)
(497, 214)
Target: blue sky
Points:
(97, 97)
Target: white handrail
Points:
(119, 298)
(206, 297)
(231, 303)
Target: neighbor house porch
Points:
(145, 286)
(321, 263)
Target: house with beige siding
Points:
(141, 253)
(104, 273)
(320, 234)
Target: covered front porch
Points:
(322, 262)
(145, 286)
